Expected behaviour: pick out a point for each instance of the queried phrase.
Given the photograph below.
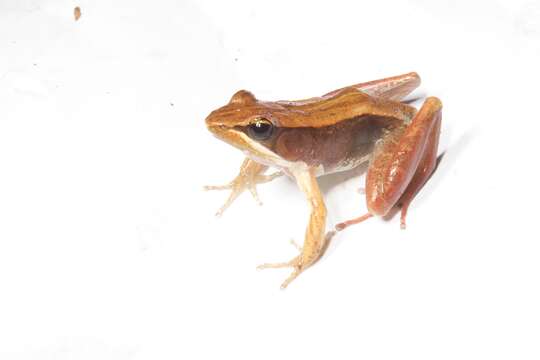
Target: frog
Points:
(369, 122)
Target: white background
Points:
(109, 248)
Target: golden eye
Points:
(260, 129)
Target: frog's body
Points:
(335, 132)
(334, 148)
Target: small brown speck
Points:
(77, 13)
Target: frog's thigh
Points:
(404, 161)
(392, 88)
(425, 169)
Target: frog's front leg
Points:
(402, 163)
(315, 233)
(251, 174)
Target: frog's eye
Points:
(260, 129)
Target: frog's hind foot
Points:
(345, 224)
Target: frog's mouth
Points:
(251, 148)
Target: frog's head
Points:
(249, 125)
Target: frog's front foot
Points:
(295, 263)
(239, 185)
(249, 177)
(298, 263)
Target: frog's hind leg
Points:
(345, 224)
(251, 174)
(402, 163)
(392, 88)
(425, 168)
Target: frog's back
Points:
(346, 104)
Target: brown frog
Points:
(366, 122)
